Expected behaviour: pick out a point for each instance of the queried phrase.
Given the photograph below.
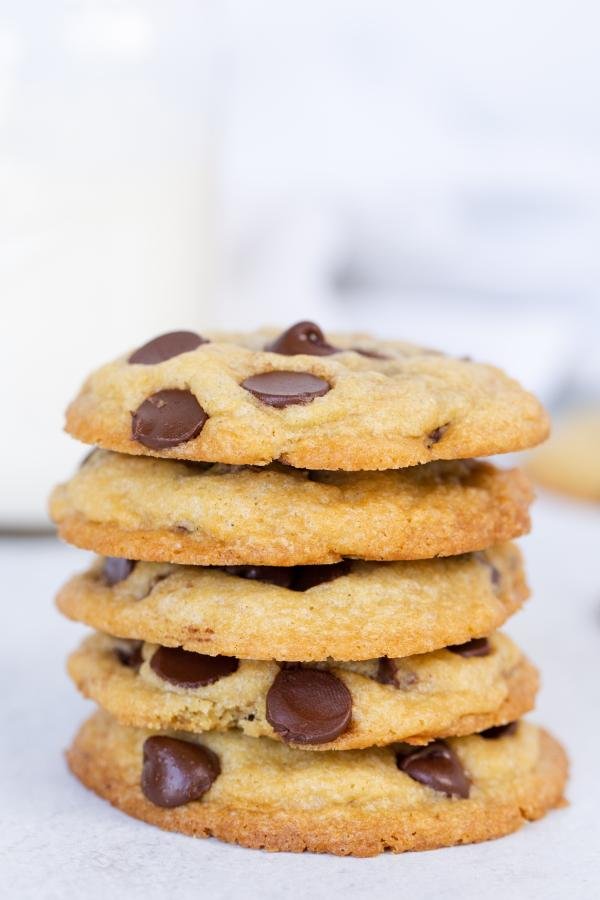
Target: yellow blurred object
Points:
(570, 461)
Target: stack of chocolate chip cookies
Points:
(301, 576)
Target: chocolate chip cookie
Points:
(317, 706)
(336, 402)
(260, 793)
(165, 510)
(350, 611)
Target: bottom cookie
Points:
(261, 794)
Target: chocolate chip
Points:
(308, 706)
(175, 772)
(435, 436)
(437, 767)
(166, 419)
(303, 337)
(386, 671)
(279, 575)
(389, 673)
(475, 647)
(116, 569)
(371, 354)
(281, 389)
(498, 731)
(166, 346)
(495, 574)
(306, 577)
(296, 578)
(129, 653)
(191, 670)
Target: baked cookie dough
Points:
(262, 794)
(445, 693)
(169, 511)
(253, 399)
(369, 610)
(570, 461)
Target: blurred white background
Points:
(425, 170)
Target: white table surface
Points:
(59, 841)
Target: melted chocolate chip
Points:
(308, 706)
(129, 654)
(281, 388)
(165, 346)
(175, 772)
(279, 575)
(389, 673)
(435, 436)
(307, 577)
(166, 419)
(437, 767)
(191, 670)
(498, 731)
(475, 647)
(116, 569)
(303, 337)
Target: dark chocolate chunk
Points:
(175, 772)
(306, 577)
(437, 767)
(166, 419)
(129, 653)
(389, 673)
(303, 337)
(475, 647)
(116, 569)
(498, 731)
(191, 670)
(165, 346)
(308, 706)
(281, 388)
(279, 575)
(435, 436)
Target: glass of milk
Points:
(106, 212)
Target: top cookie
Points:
(345, 402)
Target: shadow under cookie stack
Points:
(302, 574)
